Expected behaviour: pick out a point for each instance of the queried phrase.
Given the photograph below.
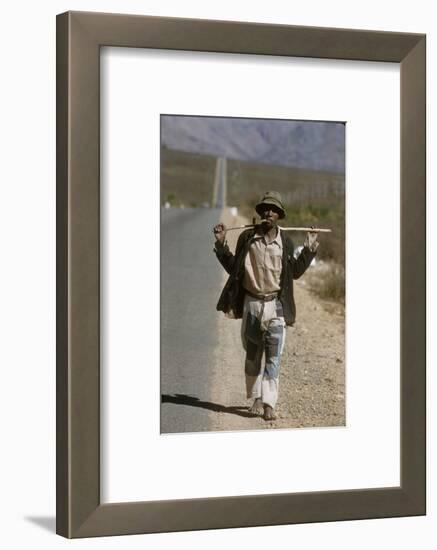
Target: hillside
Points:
(187, 178)
(303, 144)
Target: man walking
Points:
(259, 291)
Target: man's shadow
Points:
(181, 399)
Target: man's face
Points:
(270, 213)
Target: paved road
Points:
(191, 280)
(220, 184)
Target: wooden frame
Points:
(79, 38)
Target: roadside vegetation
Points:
(247, 181)
(327, 277)
(310, 198)
(187, 179)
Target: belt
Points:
(267, 298)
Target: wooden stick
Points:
(239, 227)
(308, 229)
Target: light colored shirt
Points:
(263, 265)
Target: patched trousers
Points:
(262, 334)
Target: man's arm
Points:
(221, 248)
(302, 262)
(306, 256)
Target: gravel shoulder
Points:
(312, 377)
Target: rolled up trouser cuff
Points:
(264, 388)
(270, 391)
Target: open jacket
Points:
(232, 296)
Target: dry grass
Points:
(247, 181)
(329, 214)
(187, 179)
(327, 280)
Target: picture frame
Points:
(79, 512)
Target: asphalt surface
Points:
(220, 183)
(191, 281)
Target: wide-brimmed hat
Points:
(272, 198)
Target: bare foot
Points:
(269, 413)
(257, 407)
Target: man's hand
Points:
(311, 241)
(220, 232)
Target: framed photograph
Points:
(240, 274)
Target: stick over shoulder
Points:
(306, 229)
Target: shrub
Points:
(327, 280)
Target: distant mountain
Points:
(310, 145)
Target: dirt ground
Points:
(312, 375)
